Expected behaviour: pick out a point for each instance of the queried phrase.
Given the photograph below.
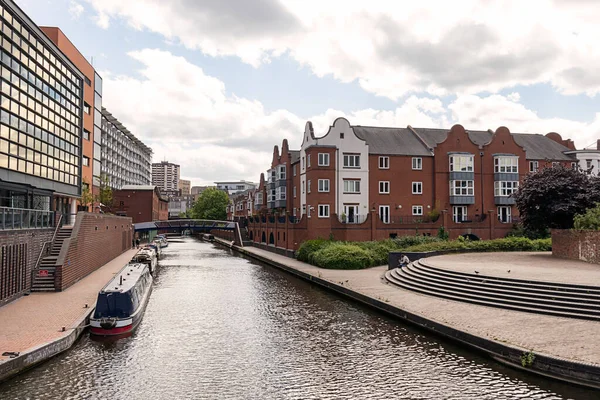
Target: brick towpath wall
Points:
(576, 245)
(96, 240)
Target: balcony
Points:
(23, 218)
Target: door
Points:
(351, 212)
(459, 213)
(504, 214)
(384, 214)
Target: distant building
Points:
(185, 186)
(143, 203)
(232, 187)
(199, 189)
(165, 176)
(180, 204)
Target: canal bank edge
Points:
(41, 353)
(557, 368)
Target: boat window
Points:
(113, 305)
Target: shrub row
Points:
(357, 255)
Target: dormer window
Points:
(341, 135)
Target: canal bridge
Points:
(192, 225)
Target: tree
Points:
(86, 195)
(551, 197)
(105, 195)
(212, 204)
(588, 221)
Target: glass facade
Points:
(41, 103)
(125, 159)
(97, 162)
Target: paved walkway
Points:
(569, 339)
(539, 266)
(34, 320)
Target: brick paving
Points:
(37, 319)
(565, 338)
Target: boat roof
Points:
(131, 273)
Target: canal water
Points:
(219, 326)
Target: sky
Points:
(213, 85)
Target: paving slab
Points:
(564, 338)
(31, 322)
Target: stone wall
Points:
(19, 251)
(96, 240)
(576, 245)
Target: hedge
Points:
(356, 255)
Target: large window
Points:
(461, 188)
(384, 214)
(259, 198)
(417, 210)
(280, 193)
(417, 163)
(533, 166)
(282, 172)
(461, 163)
(384, 187)
(417, 188)
(505, 188)
(351, 160)
(86, 161)
(351, 186)
(323, 210)
(459, 214)
(507, 164)
(323, 185)
(505, 214)
(323, 160)
(384, 162)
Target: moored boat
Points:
(146, 256)
(154, 247)
(208, 237)
(121, 303)
(163, 240)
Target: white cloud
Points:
(75, 9)
(391, 48)
(187, 117)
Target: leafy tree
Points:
(105, 195)
(552, 197)
(212, 204)
(590, 220)
(86, 195)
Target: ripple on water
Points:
(219, 326)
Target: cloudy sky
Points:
(214, 84)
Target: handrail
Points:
(39, 259)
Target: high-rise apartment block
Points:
(125, 159)
(165, 176)
(185, 186)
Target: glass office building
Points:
(40, 117)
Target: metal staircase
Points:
(44, 275)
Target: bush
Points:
(588, 221)
(339, 255)
(433, 215)
(406, 241)
(378, 251)
(442, 233)
(506, 244)
(310, 247)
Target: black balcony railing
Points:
(24, 218)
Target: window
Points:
(303, 186)
(323, 160)
(308, 186)
(417, 163)
(87, 108)
(384, 187)
(505, 188)
(302, 162)
(384, 214)
(574, 165)
(384, 162)
(588, 164)
(282, 172)
(533, 166)
(259, 198)
(294, 191)
(462, 163)
(459, 214)
(88, 81)
(417, 188)
(86, 134)
(461, 188)
(294, 168)
(86, 161)
(506, 164)
(323, 210)
(272, 195)
(280, 193)
(351, 186)
(351, 161)
(504, 214)
(323, 185)
(555, 164)
(417, 210)
(341, 135)
(308, 161)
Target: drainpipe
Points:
(481, 177)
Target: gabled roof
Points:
(393, 141)
(539, 147)
(294, 156)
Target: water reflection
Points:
(221, 326)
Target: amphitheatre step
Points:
(515, 296)
(483, 302)
(493, 287)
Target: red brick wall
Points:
(576, 245)
(16, 263)
(96, 240)
(140, 205)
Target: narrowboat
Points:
(155, 248)
(121, 303)
(163, 240)
(146, 256)
(208, 237)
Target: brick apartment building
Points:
(366, 183)
(141, 203)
